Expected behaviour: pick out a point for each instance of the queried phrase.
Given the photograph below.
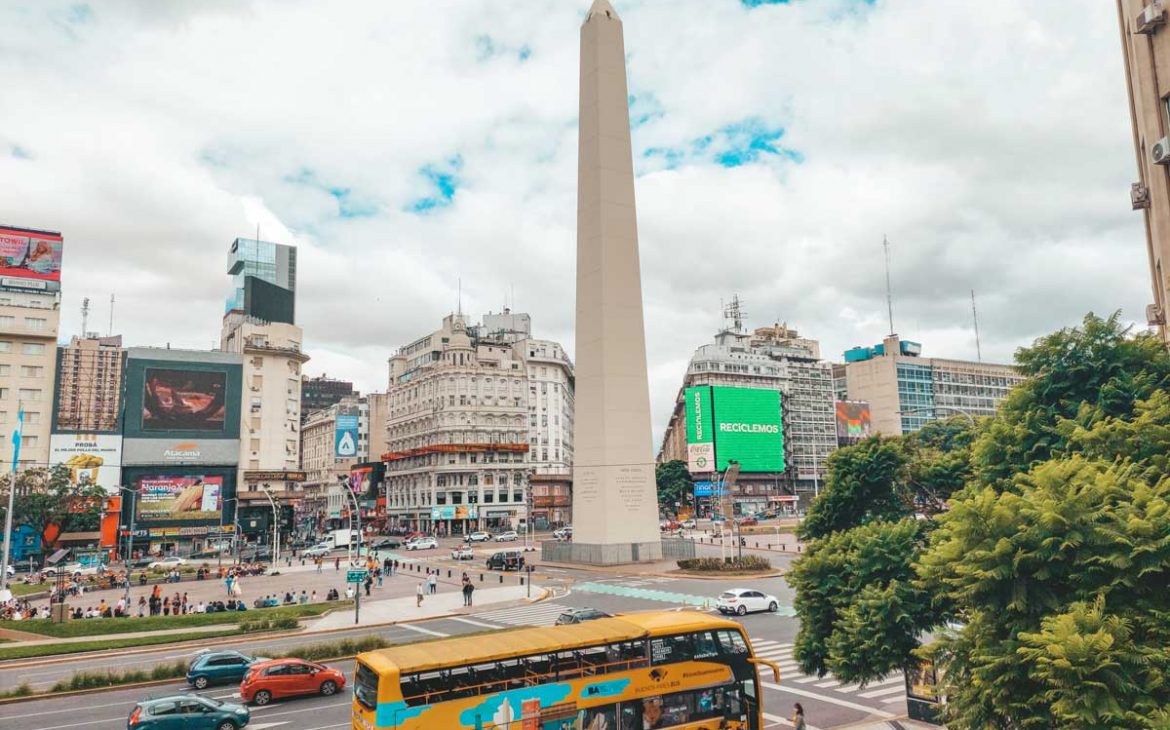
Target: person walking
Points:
(378, 573)
(318, 562)
(337, 563)
(369, 582)
(798, 718)
(433, 583)
(418, 594)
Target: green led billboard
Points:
(747, 429)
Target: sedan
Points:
(742, 600)
(317, 551)
(166, 563)
(386, 543)
(748, 522)
(188, 712)
(478, 537)
(690, 524)
(219, 667)
(563, 534)
(74, 569)
(277, 678)
(422, 543)
(578, 615)
(507, 536)
(463, 553)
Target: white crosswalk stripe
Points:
(886, 691)
(537, 614)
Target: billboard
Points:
(171, 498)
(184, 400)
(748, 428)
(91, 458)
(457, 512)
(853, 421)
(208, 451)
(345, 432)
(700, 434)
(28, 254)
(364, 477)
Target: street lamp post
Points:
(129, 541)
(219, 536)
(275, 527)
(343, 484)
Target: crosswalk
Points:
(536, 614)
(884, 692)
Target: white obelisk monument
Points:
(615, 505)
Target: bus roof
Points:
(490, 646)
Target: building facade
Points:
(321, 392)
(905, 390)
(1145, 44)
(28, 357)
(327, 473)
(772, 358)
(273, 263)
(461, 403)
(89, 385)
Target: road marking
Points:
(883, 692)
(263, 725)
(777, 720)
(421, 630)
(830, 683)
(831, 700)
(891, 700)
(472, 622)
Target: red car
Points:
(748, 522)
(276, 678)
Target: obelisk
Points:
(615, 505)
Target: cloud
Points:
(407, 146)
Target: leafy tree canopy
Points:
(863, 483)
(674, 483)
(47, 497)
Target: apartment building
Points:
(28, 358)
(905, 390)
(89, 384)
(1145, 45)
(321, 392)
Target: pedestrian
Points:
(228, 583)
(313, 598)
(394, 567)
(378, 573)
(349, 591)
(369, 582)
(142, 607)
(303, 598)
(798, 718)
(433, 583)
(418, 595)
(468, 587)
(319, 562)
(337, 563)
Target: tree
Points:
(674, 482)
(863, 483)
(47, 497)
(939, 457)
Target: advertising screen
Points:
(90, 458)
(363, 477)
(183, 400)
(30, 255)
(346, 432)
(853, 421)
(748, 429)
(700, 435)
(188, 498)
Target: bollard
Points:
(448, 574)
(501, 577)
(521, 580)
(756, 544)
(481, 577)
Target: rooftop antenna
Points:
(734, 312)
(459, 298)
(84, 315)
(975, 319)
(110, 333)
(889, 291)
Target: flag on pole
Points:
(16, 437)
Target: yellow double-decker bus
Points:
(672, 669)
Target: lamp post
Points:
(219, 550)
(275, 526)
(343, 484)
(129, 541)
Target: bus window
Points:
(365, 686)
(489, 677)
(670, 649)
(631, 716)
(417, 689)
(732, 642)
(706, 645)
(597, 717)
(537, 664)
(460, 682)
(511, 672)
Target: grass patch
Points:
(25, 589)
(92, 680)
(765, 530)
(31, 652)
(104, 627)
(746, 564)
(330, 650)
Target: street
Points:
(827, 702)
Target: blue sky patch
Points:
(644, 108)
(80, 14)
(349, 203)
(19, 152)
(443, 179)
(747, 141)
(487, 48)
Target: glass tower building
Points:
(274, 263)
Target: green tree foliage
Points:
(1022, 565)
(674, 483)
(939, 460)
(858, 600)
(47, 497)
(863, 483)
(1084, 374)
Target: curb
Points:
(704, 576)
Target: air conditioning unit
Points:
(1161, 151)
(1154, 315)
(1139, 196)
(1150, 19)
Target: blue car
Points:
(187, 712)
(219, 667)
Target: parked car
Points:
(74, 569)
(422, 543)
(463, 552)
(478, 537)
(386, 543)
(690, 524)
(506, 560)
(187, 712)
(667, 525)
(507, 536)
(743, 600)
(565, 533)
(578, 615)
(219, 667)
(414, 536)
(266, 681)
(173, 561)
(748, 522)
(317, 551)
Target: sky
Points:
(418, 148)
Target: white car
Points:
(563, 534)
(172, 562)
(423, 543)
(743, 600)
(463, 553)
(478, 537)
(74, 569)
(507, 536)
(317, 551)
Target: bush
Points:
(23, 690)
(332, 650)
(726, 565)
(92, 680)
(269, 624)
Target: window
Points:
(31, 371)
(5, 369)
(7, 321)
(31, 395)
(32, 348)
(36, 324)
(32, 418)
(5, 346)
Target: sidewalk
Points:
(393, 610)
(897, 724)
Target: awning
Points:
(79, 537)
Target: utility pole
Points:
(889, 290)
(11, 498)
(975, 319)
